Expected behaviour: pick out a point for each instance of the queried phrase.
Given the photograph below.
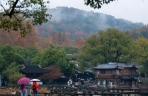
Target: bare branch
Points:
(3, 7)
(16, 18)
(13, 7)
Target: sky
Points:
(135, 11)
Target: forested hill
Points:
(80, 22)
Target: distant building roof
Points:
(90, 70)
(138, 67)
(33, 69)
(115, 65)
(77, 71)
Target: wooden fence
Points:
(58, 90)
(72, 91)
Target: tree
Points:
(13, 38)
(10, 56)
(110, 45)
(55, 56)
(141, 32)
(142, 53)
(70, 50)
(44, 42)
(38, 57)
(12, 73)
(60, 39)
(2, 62)
(52, 56)
(14, 12)
(27, 53)
(97, 3)
(54, 73)
(79, 42)
(30, 52)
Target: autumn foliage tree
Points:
(79, 42)
(13, 38)
(54, 73)
(44, 43)
(61, 39)
(141, 32)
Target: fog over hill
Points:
(74, 21)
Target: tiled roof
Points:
(77, 71)
(114, 65)
(33, 69)
(138, 67)
(106, 66)
(90, 70)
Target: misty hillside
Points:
(84, 23)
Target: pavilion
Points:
(33, 71)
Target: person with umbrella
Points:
(23, 89)
(35, 87)
(22, 82)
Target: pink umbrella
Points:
(23, 80)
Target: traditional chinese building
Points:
(87, 75)
(117, 75)
(33, 71)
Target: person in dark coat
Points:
(82, 83)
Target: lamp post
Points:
(28, 89)
(76, 76)
(87, 76)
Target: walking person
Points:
(111, 84)
(99, 82)
(79, 83)
(35, 87)
(23, 89)
(82, 83)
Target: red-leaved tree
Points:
(54, 73)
